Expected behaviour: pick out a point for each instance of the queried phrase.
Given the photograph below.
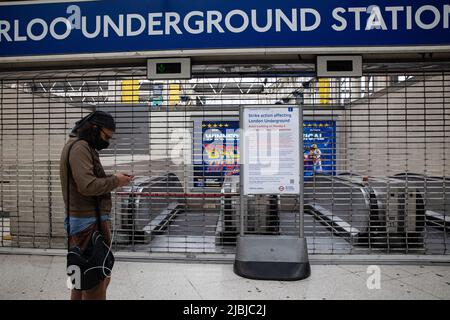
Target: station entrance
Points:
(376, 158)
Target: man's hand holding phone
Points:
(124, 178)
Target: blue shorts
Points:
(78, 224)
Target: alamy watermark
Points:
(374, 280)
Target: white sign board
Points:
(270, 150)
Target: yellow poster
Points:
(174, 94)
(324, 90)
(130, 91)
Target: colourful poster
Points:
(319, 147)
(220, 153)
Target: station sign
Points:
(37, 28)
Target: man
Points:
(317, 158)
(87, 186)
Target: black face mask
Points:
(93, 137)
(99, 143)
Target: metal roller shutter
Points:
(377, 161)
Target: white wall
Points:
(403, 128)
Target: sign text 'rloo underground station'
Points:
(95, 25)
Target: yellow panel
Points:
(130, 91)
(324, 90)
(174, 94)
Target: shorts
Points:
(82, 239)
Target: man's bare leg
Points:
(97, 293)
(76, 294)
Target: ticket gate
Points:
(436, 194)
(380, 212)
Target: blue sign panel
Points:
(319, 138)
(220, 153)
(139, 25)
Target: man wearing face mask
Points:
(87, 188)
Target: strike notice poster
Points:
(270, 150)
